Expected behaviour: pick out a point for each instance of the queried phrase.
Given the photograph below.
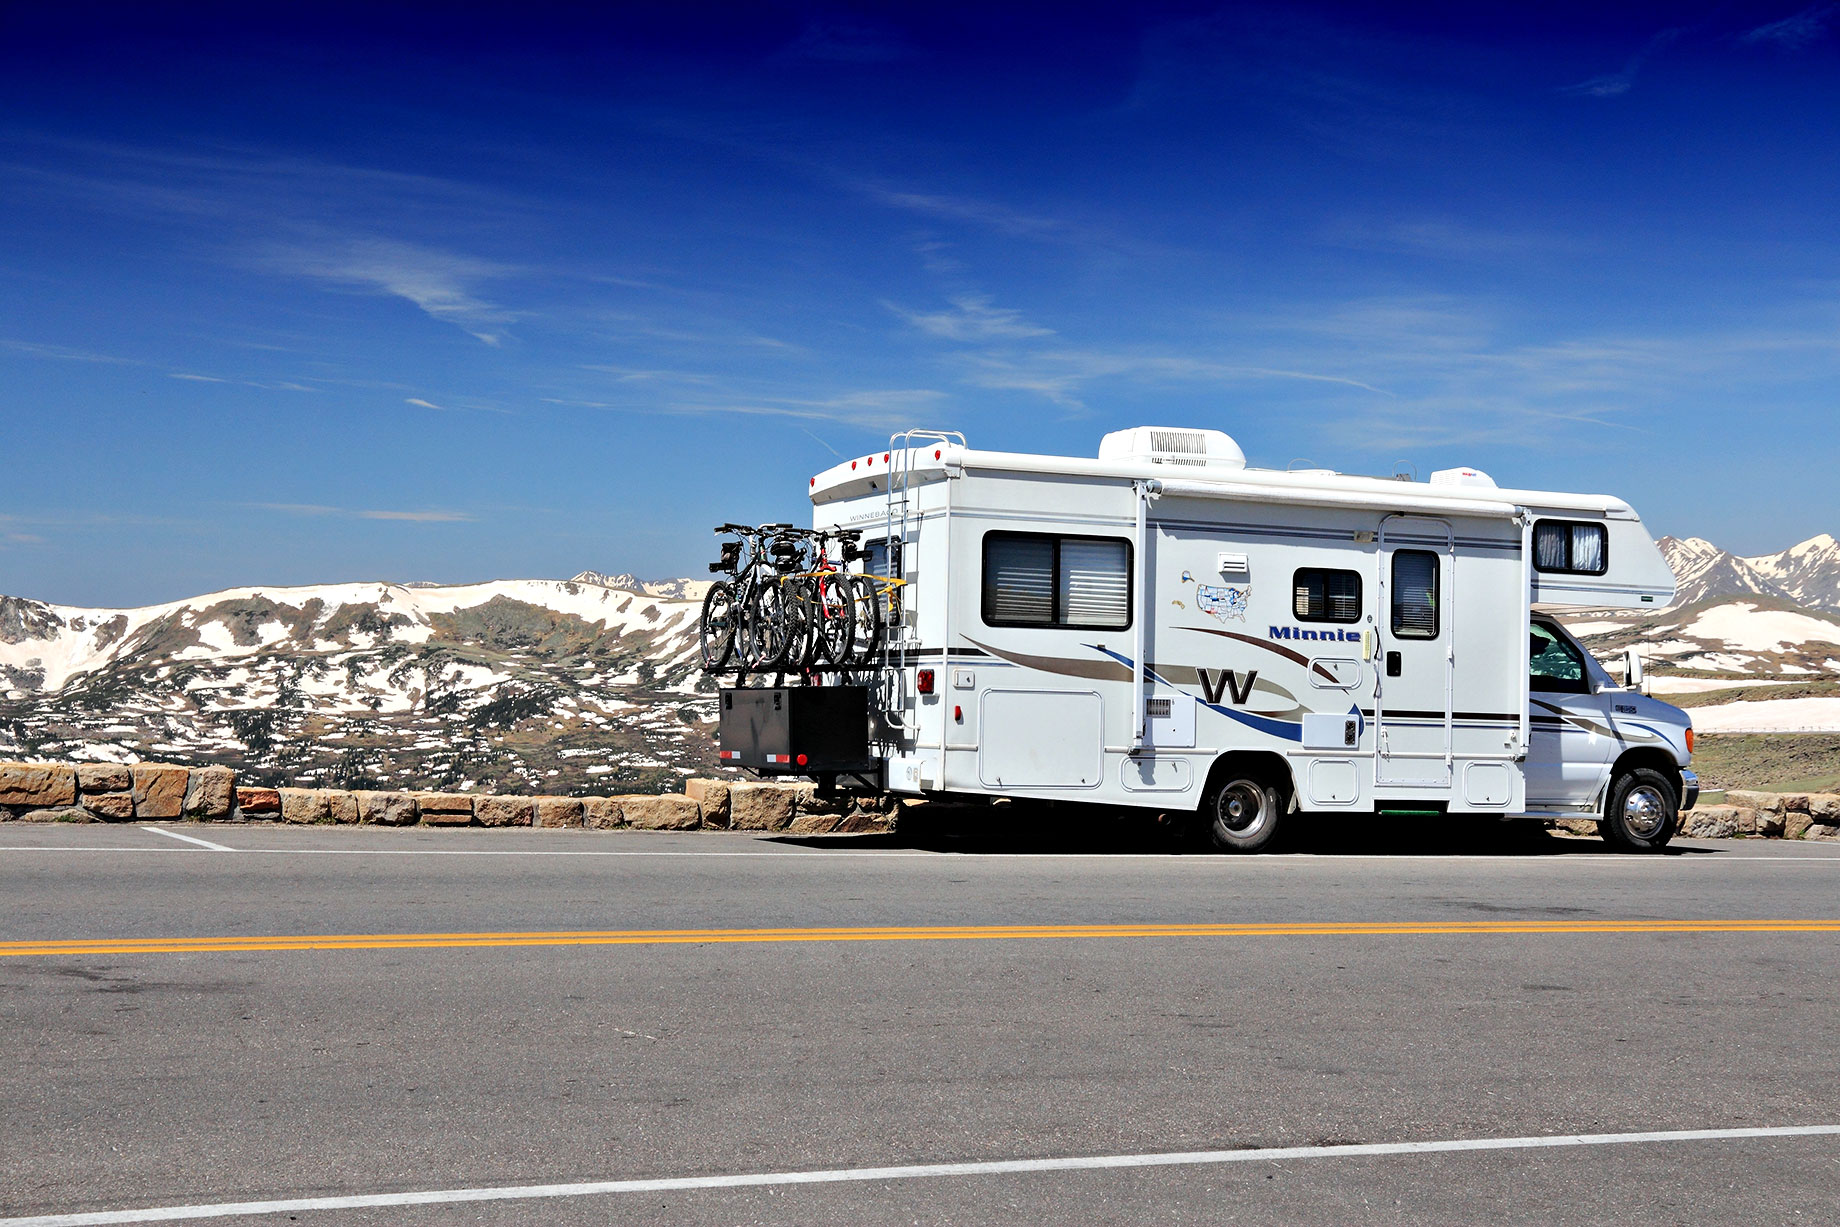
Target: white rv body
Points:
(1108, 630)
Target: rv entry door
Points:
(1413, 701)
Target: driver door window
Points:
(1554, 664)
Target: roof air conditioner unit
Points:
(1172, 445)
(1463, 477)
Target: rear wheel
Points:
(766, 628)
(717, 628)
(1243, 812)
(833, 615)
(1642, 812)
(866, 625)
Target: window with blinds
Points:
(1569, 547)
(1039, 579)
(1415, 594)
(1321, 595)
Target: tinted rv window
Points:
(1320, 595)
(1570, 548)
(1036, 579)
(1415, 594)
(1553, 664)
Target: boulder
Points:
(1770, 826)
(343, 806)
(209, 793)
(761, 807)
(444, 809)
(660, 812)
(1762, 802)
(1796, 825)
(62, 813)
(861, 821)
(1824, 806)
(807, 801)
(1794, 802)
(1748, 819)
(386, 809)
(601, 813)
(1711, 822)
(258, 800)
(559, 811)
(712, 796)
(1576, 826)
(1823, 830)
(39, 785)
(504, 811)
(110, 806)
(159, 791)
(104, 777)
(305, 805)
(815, 824)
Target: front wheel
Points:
(1242, 813)
(1642, 812)
(718, 626)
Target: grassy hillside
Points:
(1777, 762)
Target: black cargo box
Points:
(795, 730)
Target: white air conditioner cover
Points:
(1463, 477)
(1173, 445)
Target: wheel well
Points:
(1645, 756)
(1272, 768)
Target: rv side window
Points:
(875, 557)
(1415, 594)
(1037, 579)
(1322, 595)
(1570, 548)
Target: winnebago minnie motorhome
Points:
(1165, 627)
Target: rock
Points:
(815, 824)
(208, 793)
(1796, 825)
(62, 813)
(761, 807)
(1824, 806)
(104, 777)
(343, 806)
(304, 805)
(1822, 830)
(712, 796)
(386, 809)
(663, 812)
(1711, 822)
(39, 785)
(1762, 802)
(504, 811)
(862, 821)
(110, 806)
(1770, 826)
(807, 801)
(444, 809)
(601, 813)
(1747, 820)
(1795, 802)
(560, 812)
(258, 800)
(1577, 826)
(159, 791)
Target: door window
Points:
(1554, 664)
(1415, 594)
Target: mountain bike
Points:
(726, 631)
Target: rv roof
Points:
(869, 475)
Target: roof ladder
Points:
(901, 447)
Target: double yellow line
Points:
(50, 947)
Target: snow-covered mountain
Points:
(559, 685)
(1807, 574)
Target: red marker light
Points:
(802, 760)
(958, 713)
(937, 453)
(923, 681)
(852, 465)
(884, 457)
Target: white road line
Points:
(190, 839)
(676, 1184)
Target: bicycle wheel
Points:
(717, 628)
(833, 622)
(866, 626)
(771, 627)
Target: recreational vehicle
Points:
(1164, 626)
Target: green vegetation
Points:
(1773, 762)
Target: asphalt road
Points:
(1320, 1000)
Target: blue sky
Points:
(395, 293)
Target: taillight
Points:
(923, 681)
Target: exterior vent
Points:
(1463, 477)
(1173, 445)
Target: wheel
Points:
(866, 626)
(772, 628)
(833, 622)
(1642, 812)
(717, 628)
(1242, 812)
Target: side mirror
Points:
(1632, 670)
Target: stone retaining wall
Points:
(1772, 815)
(109, 792)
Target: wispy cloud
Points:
(423, 516)
(191, 378)
(442, 283)
(971, 318)
(1613, 84)
(63, 353)
(874, 409)
(419, 403)
(1797, 30)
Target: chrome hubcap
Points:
(1242, 807)
(1645, 811)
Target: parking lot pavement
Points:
(1319, 1000)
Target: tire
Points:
(833, 629)
(717, 628)
(763, 628)
(1242, 812)
(1642, 812)
(866, 627)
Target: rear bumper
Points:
(1689, 789)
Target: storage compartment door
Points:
(1040, 739)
